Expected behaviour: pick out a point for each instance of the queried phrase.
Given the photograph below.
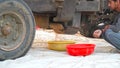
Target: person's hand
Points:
(97, 33)
(106, 27)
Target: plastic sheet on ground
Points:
(105, 55)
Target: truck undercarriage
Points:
(71, 14)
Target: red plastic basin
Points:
(80, 49)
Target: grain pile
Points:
(42, 36)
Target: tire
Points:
(17, 29)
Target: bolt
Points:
(5, 43)
(14, 39)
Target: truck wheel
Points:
(17, 29)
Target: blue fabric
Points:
(116, 24)
(112, 37)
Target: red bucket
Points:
(80, 49)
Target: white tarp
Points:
(105, 56)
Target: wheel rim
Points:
(12, 31)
